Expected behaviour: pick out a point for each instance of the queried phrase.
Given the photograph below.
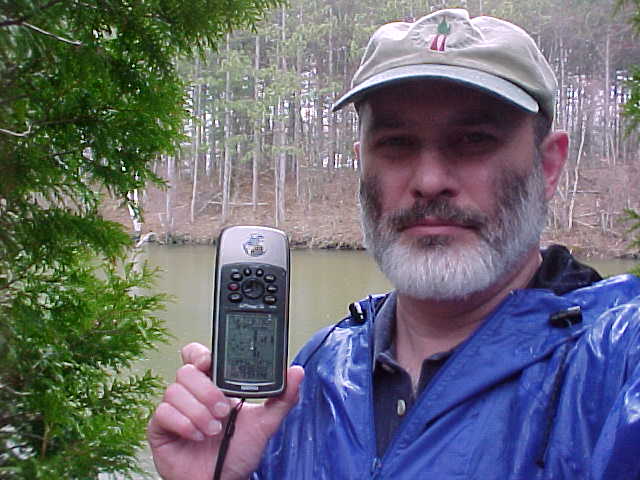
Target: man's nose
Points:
(433, 176)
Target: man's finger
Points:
(198, 355)
(186, 403)
(169, 420)
(201, 387)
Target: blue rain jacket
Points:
(522, 398)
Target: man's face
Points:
(452, 193)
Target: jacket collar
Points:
(559, 272)
(517, 335)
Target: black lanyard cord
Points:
(228, 433)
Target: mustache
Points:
(440, 208)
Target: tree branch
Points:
(22, 434)
(53, 35)
(20, 21)
(16, 134)
(12, 391)
(13, 99)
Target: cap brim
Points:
(486, 82)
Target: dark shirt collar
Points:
(558, 272)
(384, 327)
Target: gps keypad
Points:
(257, 284)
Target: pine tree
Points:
(89, 97)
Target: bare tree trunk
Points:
(576, 176)
(281, 156)
(133, 197)
(256, 131)
(318, 139)
(281, 168)
(226, 175)
(168, 204)
(274, 124)
(297, 123)
(209, 130)
(607, 92)
(332, 118)
(179, 164)
(562, 120)
(196, 139)
(297, 142)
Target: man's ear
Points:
(554, 150)
(356, 149)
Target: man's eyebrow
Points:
(463, 119)
(501, 118)
(491, 118)
(384, 122)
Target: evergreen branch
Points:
(83, 4)
(53, 240)
(7, 286)
(21, 434)
(9, 420)
(65, 152)
(64, 121)
(12, 391)
(20, 21)
(16, 452)
(16, 134)
(53, 35)
(45, 440)
(13, 99)
(50, 4)
(9, 23)
(18, 447)
(100, 108)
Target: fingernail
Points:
(197, 436)
(214, 427)
(221, 409)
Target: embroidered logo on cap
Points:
(442, 33)
(440, 39)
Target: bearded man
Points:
(492, 358)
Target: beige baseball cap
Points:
(482, 52)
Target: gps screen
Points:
(250, 353)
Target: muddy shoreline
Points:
(328, 217)
(309, 242)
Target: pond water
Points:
(323, 284)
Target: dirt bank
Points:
(326, 216)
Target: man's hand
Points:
(186, 429)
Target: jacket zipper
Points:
(376, 463)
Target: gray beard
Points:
(432, 267)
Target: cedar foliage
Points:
(89, 97)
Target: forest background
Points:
(263, 146)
